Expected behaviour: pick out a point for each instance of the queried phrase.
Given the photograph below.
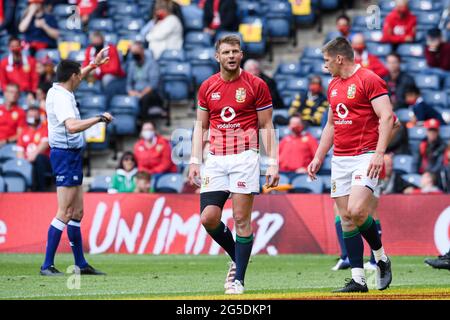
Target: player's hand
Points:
(194, 174)
(313, 168)
(107, 117)
(375, 166)
(102, 57)
(39, 23)
(272, 176)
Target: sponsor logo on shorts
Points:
(215, 96)
(75, 178)
(241, 184)
(333, 186)
(205, 181)
(358, 177)
(60, 178)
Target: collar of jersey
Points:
(240, 73)
(57, 86)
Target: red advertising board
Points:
(170, 224)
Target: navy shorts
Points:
(67, 165)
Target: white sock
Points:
(380, 255)
(359, 276)
(58, 224)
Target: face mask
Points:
(98, 47)
(402, 10)
(32, 121)
(136, 57)
(359, 48)
(297, 130)
(16, 50)
(344, 29)
(315, 88)
(148, 134)
(160, 14)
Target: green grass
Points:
(202, 277)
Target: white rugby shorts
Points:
(348, 171)
(236, 173)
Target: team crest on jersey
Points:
(14, 115)
(240, 95)
(333, 186)
(37, 137)
(351, 92)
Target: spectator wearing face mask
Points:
(397, 81)
(366, 59)
(89, 9)
(18, 68)
(343, 25)
(437, 51)
(33, 146)
(399, 25)
(422, 111)
(297, 149)
(143, 80)
(109, 71)
(153, 152)
(312, 104)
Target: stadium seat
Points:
(3, 186)
(403, 163)
(413, 178)
(176, 81)
(404, 115)
(126, 10)
(111, 37)
(282, 131)
(8, 152)
(326, 79)
(78, 56)
(303, 184)
(314, 53)
(254, 35)
(193, 17)
(170, 183)
(379, 49)
(195, 39)
(171, 55)
(51, 53)
(297, 84)
(316, 132)
(101, 24)
(326, 165)
(414, 66)
(15, 183)
(249, 8)
(424, 5)
(435, 98)
(90, 87)
(373, 36)
(326, 179)
(331, 35)
(123, 104)
(288, 68)
(318, 67)
(427, 82)
(100, 184)
(77, 37)
(428, 20)
(288, 96)
(93, 102)
(411, 50)
(203, 64)
(304, 17)
(280, 116)
(129, 25)
(329, 4)
(386, 5)
(444, 132)
(18, 167)
(279, 19)
(61, 11)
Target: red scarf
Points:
(215, 23)
(1, 12)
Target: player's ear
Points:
(216, 56)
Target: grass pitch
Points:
(202, 277)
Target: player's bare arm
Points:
(199, 138)
(101, 58)
(271, 146)
(383, 108)
(326, 142)
(76, 125)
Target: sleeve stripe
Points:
(201, 108)
(378, 96)
(264, 108)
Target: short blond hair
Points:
(339, 46)
(228, 39)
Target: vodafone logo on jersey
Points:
(227, 114)
(342, 112)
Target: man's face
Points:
(331, 64)
(393, 65)
(76, 78)
(229, 56)
(142, 185)
(11, 94)
(15, 47)
(33, 117)
(432, 135)
(97, 41)
(253, 69)
(426, 180)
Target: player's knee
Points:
(210, 218)
(357, 212)
(347, 224)
(78, 214)
(241, 220)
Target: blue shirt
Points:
(38, 34)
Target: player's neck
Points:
(67, 86)
(230, 76)
(349, 70)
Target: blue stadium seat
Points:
(413, 178)
(326, 179)
(288, 68)
(18, 167)
(170, 183)
(131, 10)
(331, 35)
(51, 53)
(411, 50)
(435, 98)
(195, 39)
(326, 165)
(282, 131)
(280, 115)
(124, 124)
(249, 8)
(303, 184)
(404, 115)
(93, 102)
(3, 186)
(314, 53)
(424, 5)
(279, 19)
(171, 55)
(417, 133)
(326, 79)
(317, 67)
(111, 37)
(256, 48)
(373, 36)
(176, 81)
(81, 38)
(427, 82)
(329, 4)
(414, 66)
(288, 96)
(90, 87)
(62, 11)
(8, 152)
(386, 6)
(100, 184)
(78, 56)
(307, 19)
(123, 104)
(193, 17)
(444, 132)
(101, 24)
(427, 20)
(297, 84)
(403, 163)
(379, 49)
(15, 183)
(203, 64)
(316, 132)
(130, 25)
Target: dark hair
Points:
(315, 77)
(412, 89)
(434, 33)
(66, 68)
(339, 46)
(396, 55)
(228, 39)
(13, 38)
(296, 115)
(143, 175)
(343, 16)
(126, 154)
(45, 86)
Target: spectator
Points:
(7, 16)
(422, 111)
(428, 185)
(399, 144)
(108, 71)
(89, 9)
(153, 152)
(343, 25)
(38, 101)
(391, 181)
(311, 104)
(46, 71)
(297, 149)
(124, 179)
(143, 80)
(18, 68)
(366, 59)
(40, 28)
(167, 32)
(143, 182)
(253, 67)
(12, 117)
(219, 15)
(174, 7)
(397, 81)
(437, 52)
(399, 25)
(33, 146)
(432, 149)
